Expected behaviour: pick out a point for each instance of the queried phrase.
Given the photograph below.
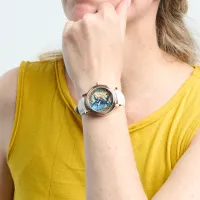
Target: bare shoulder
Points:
(8, 87)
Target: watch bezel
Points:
(87, 97)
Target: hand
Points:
(93, 47)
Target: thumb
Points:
(122, 10)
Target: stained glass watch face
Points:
(101, 100)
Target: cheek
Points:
(67, 7)
(141, 5)
(140, 8)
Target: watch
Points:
(100, 100)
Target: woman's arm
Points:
(8, 84)
(93, 52)
(184, 181)
(110, 165)
(111, 170)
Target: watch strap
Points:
(120, 98)
(81, 109)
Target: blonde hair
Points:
(172, 34)
(51, 55)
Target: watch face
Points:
(101, 100)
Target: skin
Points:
(8, 82)
(140, 85)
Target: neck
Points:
(143, 59)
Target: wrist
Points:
(84, 88)
(100, 100)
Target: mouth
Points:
(80, 9)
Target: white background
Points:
(32, 27)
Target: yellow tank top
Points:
(46, 155)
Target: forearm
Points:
(111, 171)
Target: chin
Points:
(79, 9)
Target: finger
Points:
(67, 30)
(122, 10)
(68, 26)
(105, 9)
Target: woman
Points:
(133, 135)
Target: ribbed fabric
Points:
(46, 153)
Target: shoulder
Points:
(8, 87)
(192, 83)
(189, 110)
(39, 71)
(9, 81)
(31, 70)
(190, 98)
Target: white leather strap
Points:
(81, 104)
(120, 98)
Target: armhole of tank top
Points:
(192, 130)
(19, 94)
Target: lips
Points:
(80, 9)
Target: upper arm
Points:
(184, 181)
(8, 85)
